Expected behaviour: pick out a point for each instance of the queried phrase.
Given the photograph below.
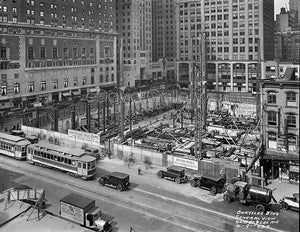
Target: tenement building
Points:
(239, 34)
(134, 26)
(55, 50)
(281, 125)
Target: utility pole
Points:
(258, 81)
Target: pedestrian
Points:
(139, 171)
(266, 179)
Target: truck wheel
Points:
(119, 187)
(101, 181)
(213, 190)
(260, 208)
(285, 206)
(226, 197)
(193, 183)
(177, 180)
(160, 174)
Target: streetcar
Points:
(73, 161)
(13, 146)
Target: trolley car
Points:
(13, 146)
(73, 161)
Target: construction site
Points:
(164, 126)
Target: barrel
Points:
(262, 195)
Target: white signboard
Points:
(84, 136)
(72, 212)
(187, 163)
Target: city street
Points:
(151, 204)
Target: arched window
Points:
(272, 140)
(292, 143)
(16, 88)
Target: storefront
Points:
(294, 171)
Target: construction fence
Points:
(201, 167)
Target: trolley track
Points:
(181, 214)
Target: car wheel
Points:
(119, 187)
(160, 174)
(101, 181)
(260, 208)
(226, 197)
(177, 180)
(198, 183)
(213, 190)
(193, 183)
(285, 206)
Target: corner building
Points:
(55, 50)
(281, 126)
(235, 33)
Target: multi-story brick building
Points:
(280, 103)
(236, 31)
(51, 50)
(287, 46)
(163, 30)
(134, 25)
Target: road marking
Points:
(201, 208)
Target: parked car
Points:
(173, 173)
(290, 202)
(214, 184)
(118, 180)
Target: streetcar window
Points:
(84, 166)
(69, 162)
(48, 156)
(55, 157)
(66, 161)
(88, 166)
(79, 165)
(73, 163)
(51, 156)
(23, 149)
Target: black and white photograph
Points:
(149, 115)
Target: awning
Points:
(66, 94)
(76, 93)
(93, 90)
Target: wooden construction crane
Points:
(199, 96)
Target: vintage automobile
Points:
(173, 173)
(213, 184)
(118, 180)
(290, 202)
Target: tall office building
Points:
(134, 26)
(163, 30)
(51, 50)
(234, 31)
(286, 20)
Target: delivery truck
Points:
(83, 210)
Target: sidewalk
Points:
(280, 188)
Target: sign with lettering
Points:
(84, 136)
(72, 212)
(187, 163)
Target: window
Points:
(65, 52)
(291, 99)
(30, 53)
(75, 81)
(31, 87)
(43, 52)
(54, 53)
(291, 120)
(83, 80)
(3, 89)
(272, 141)
(16, 88)
(75, 52)
(43, 85)
(271, 98)
(272, 118)
(291, 142)
(55, 84)
(65, 82)
(82, 52)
